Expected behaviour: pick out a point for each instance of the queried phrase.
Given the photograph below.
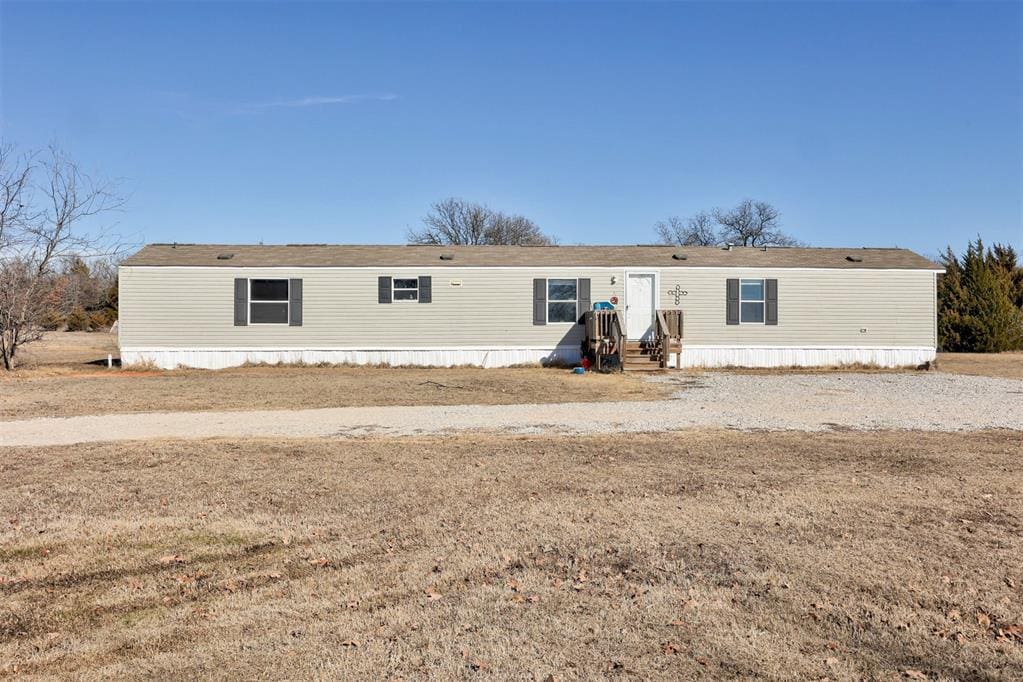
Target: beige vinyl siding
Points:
(192, 307)
(170, 307)
(815, 307)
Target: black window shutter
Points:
(584, 303)
(426, 289)
(241, 302)
(295, 303)
(383, 290)
(732, 302)
(771, 301)
(540, 301)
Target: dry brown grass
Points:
(1007, 365)
(58, 381)
(68, 348)
(254, 388)
(717, 554)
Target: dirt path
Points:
(931, 402)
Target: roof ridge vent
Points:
(447, 256)
(225, 256)
(679, 255)
(854, 259)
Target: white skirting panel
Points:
(692, 356)
(779, 356)
(172, 358)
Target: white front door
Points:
(639, 305)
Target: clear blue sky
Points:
(865, 124)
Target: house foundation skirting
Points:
(172, 358)
(692, 356)
(787, 356)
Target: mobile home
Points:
(215, 306)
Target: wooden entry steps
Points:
(641, 356)
(605, 340)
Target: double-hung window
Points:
(405, 289)
(562, 298)
(751, 301)
(268, 301)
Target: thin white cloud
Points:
(320, 101)
(195, 108)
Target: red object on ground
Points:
(585, 363)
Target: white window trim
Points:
(762, 300)
(286, 302)
(547, 310)
(404, 300)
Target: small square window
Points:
(268, 313)
(561, 289)
(752, 312)
(268, 289)
(561, 312)
(752, 289)
(405, 289)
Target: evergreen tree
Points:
(950, 304)
(978, 311)
(1006, 259)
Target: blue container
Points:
(578, 370)
(603, 305)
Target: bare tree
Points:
(39, 235)
(456, 221)
(695, 231)
(750, 223)
(15, 174)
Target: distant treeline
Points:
(82, 296)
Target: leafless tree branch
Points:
(456, 221)
(15, 176)
(695, 231)
(750, 223)
(37, 235)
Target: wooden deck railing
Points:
(669, 333)
(605, 334)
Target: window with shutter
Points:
(268, 301)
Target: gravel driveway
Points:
(804, 402)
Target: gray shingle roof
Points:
(324, 255)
